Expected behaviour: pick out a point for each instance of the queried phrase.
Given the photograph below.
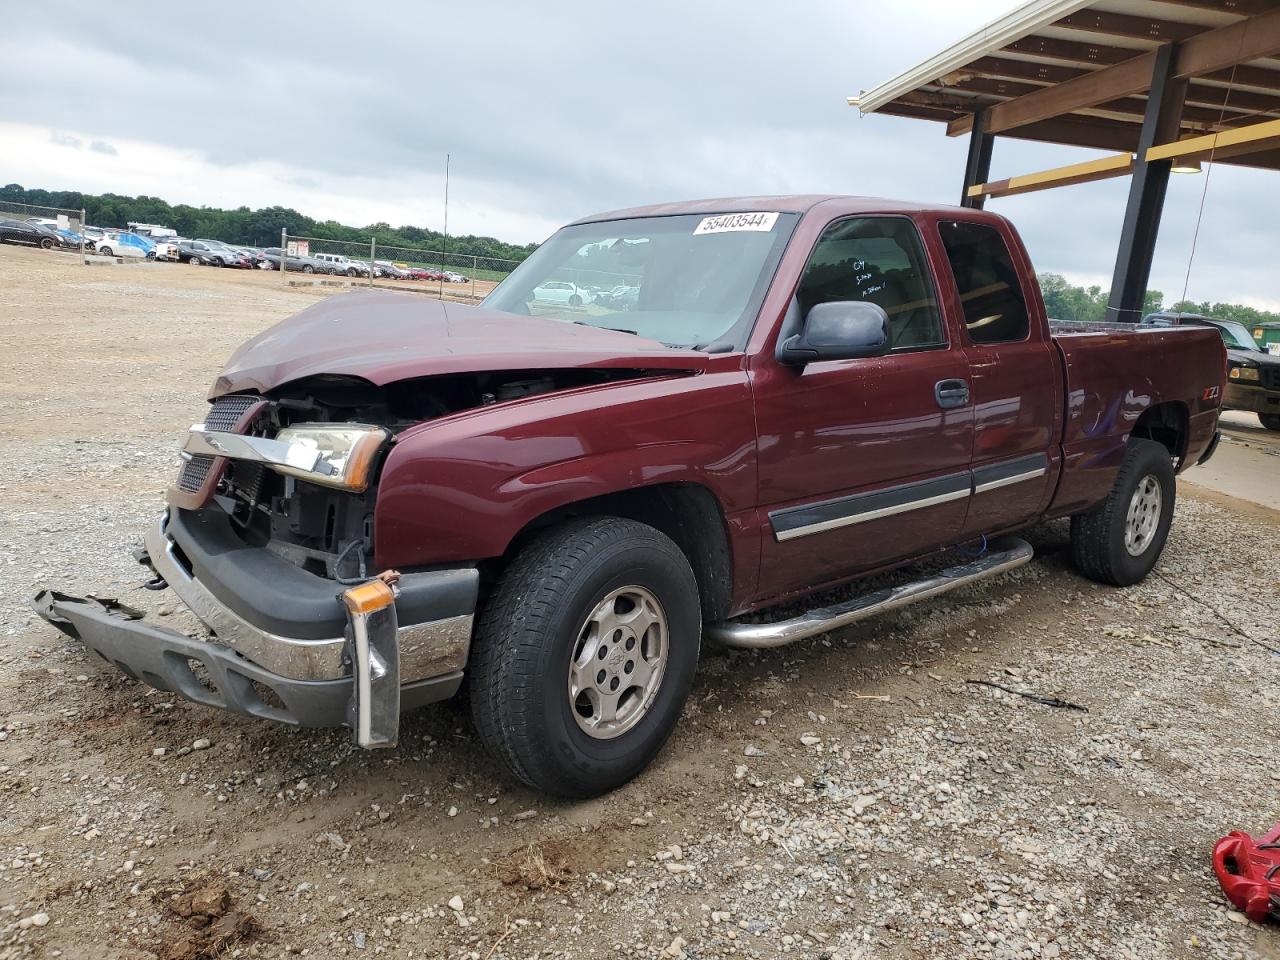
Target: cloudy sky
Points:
(550, 110)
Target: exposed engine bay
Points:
(327, 531)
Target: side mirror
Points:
(839, 330)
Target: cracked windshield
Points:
(687, 281)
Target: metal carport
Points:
(1163, 84)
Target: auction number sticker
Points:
(731, 222)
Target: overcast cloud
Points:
(550, 111)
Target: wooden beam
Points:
(899, 109)
(1195, 117)
(1262, 160)
(1124, 25)
(1104, 168)
(1197, 54)
(1071, 50)
(1244, 8)
(1092, 132)
(1247, 76)
(1254, 138)
(1198, 94)
(1015, 70)
(1240, 101)
(1237, 43)
(1086, 90)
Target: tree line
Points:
(258, 228)
(1065, 301)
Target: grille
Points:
(223, 415)
(1271, 377)
(194, 473)
(227, 411)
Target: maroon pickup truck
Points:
(665, 419)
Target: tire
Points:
(575, 301)
(308, 268)
(106, 251)
(1119, 541)
(352, 271)
(1270, 420)
(46, 243)
(539, 616)
(195, 262)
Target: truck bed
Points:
(1114, 373)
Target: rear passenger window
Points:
(880, 260)
(990, 289)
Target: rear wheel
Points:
(1270, 420)
(1120, 540)
(584, 654)
(106, 251)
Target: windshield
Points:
(687, 281)
(1236, 336)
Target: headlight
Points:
(1244, 373)
(344, 453)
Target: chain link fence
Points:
(50, 228)
(455, 275)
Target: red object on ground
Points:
(1249, 871)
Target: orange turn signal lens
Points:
(369, 597)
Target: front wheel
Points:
(106, 251)
(1270, 420)
(308, 268)
(1120, 540)
(584, 655)
(46, 243)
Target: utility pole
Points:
(444, 252)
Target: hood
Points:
(1253, 357)
(383, 337)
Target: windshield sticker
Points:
(730, 222)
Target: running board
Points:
(1005, 554)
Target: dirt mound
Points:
(210, 923)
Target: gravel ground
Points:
(849, 797)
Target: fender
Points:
(1110, 384)
(460, 489)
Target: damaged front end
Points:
(268, 541)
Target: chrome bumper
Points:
(427, 650)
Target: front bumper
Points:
(1253, 399)
(281, 648)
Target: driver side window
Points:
(879, 260)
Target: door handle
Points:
(951, 393)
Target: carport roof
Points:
(1078, 72)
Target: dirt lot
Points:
(849, 797)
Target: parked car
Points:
(166, 248)
(1253, 374)
(36, 234)
(209, 253)
(562, 292)
(122, 244)
(388, 270)
(421, 273)
(820, 390)
(224, 255)
(451, 277)
(620, 297)
(300, 264)
(337, 264)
